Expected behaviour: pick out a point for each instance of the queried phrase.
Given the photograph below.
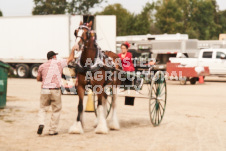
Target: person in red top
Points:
(126, 58)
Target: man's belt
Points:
(52, 88)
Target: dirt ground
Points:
(195, 120)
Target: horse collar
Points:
(98, 61)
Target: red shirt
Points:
(127, 63)
(51, 72)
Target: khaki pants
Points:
(53, 98)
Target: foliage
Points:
(143, 21)
(169, 17)
(81, 6)
(1, 13)
(200, 19)
(128, 23)
(222, 21)
(45, 7)
(123, 17)
(197, 18)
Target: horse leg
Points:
(114, 124)
(76, 128)
(101, 117)
(104, 103)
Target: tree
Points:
(141, 24)
(197, 18)
(169, 16)
(1, 13)
(202, 19)
(222, 21)
(123, 17)
(82, 6)
(45, 7)
(131, 24)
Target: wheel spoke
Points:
(154, 89)
(152, 103)
(161, 106)
(163, 86)
(153, 98)
(160, 112)
(153, 108)
(162, 93)
(154, 114)
(157, 117)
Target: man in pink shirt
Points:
(49, 73)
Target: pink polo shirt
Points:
(51, 72)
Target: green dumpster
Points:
(4, 68)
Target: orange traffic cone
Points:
(201, 79)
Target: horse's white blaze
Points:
(76, 128)
(79, 34)
(114, 124)
(102, 124)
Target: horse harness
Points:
(98, 63)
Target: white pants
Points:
(53, 98)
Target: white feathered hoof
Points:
(101, 128)
(76, 128)
(102, 124)
(114, 125)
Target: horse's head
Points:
(84, 33)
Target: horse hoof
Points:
(76, 128)
(99, 130)
(114, 126)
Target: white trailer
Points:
(205, 44)
(25, 41)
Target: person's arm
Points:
(71, 57)
(39, 77)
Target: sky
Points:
(24, 7)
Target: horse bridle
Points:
(87, 33)
(82, 27)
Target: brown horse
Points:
(97, 78)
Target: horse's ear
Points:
(80, 23)
(90, 24)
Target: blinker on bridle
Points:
(82, 27)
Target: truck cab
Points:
(215, 59)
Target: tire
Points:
(22, 70)
(158, 97)
(193, 80)
(34, 70)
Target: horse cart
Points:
(151, 86)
